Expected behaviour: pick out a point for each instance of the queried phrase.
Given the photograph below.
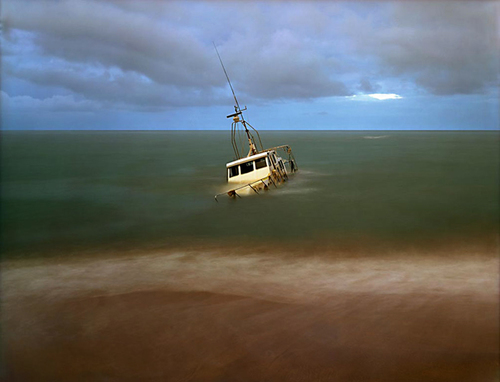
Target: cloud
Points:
(92, 32)
(443, 47)
(374, 96)
(165, 44)
(285, 66)
(383, 97)
(154, 56)
(55, 104)
(118, 89)
(367, 86)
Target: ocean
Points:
(377, 261)
(76, 190)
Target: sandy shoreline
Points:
(211, 316)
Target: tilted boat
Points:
(261, 168)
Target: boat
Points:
(260, 169)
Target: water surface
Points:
(80, 190)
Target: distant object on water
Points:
(375, 136)
(260, 168)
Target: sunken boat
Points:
(258, 169)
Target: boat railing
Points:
(291, 159)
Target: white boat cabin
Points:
(257, 167)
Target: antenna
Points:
(237, 107)
(238, 112)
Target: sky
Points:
(305, 65)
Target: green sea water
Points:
(73, 190)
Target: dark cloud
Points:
(93, 32)
(166, 44)
(51, 104)
(152, 55)
(444, 47)
(124, 90)
(367, 86)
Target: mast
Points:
(238, 112)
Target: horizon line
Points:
(224, 130)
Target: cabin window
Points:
(233, 171)
(260, 163)
(246, 167)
